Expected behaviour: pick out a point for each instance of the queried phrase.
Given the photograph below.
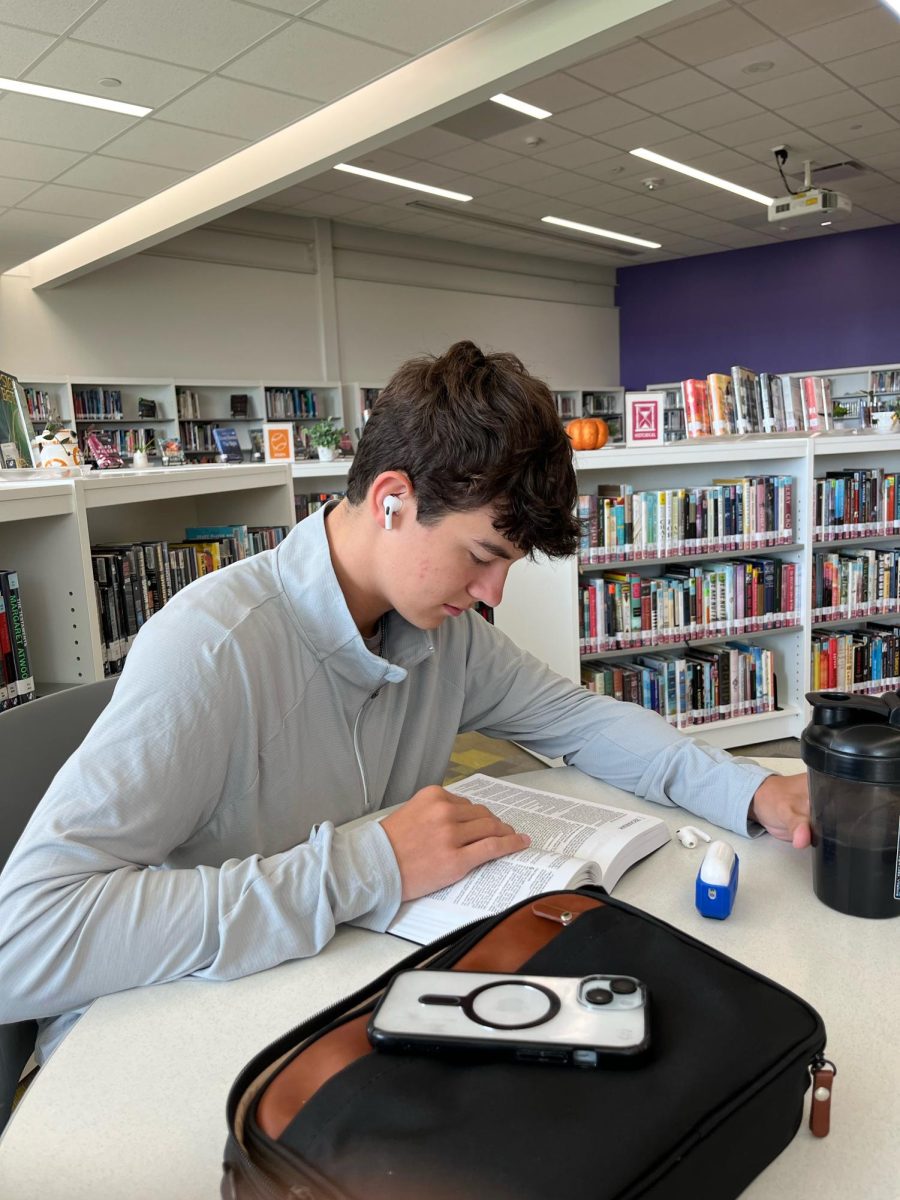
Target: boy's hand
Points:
(439, 837)
(781, 805)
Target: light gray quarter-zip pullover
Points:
(193, 832)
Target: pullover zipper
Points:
(356, 750)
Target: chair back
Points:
(35, 740)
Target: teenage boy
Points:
(195, 830)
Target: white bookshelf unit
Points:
(47, 529)
(209, 399)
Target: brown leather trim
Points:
(820, 1104)
(505, 948)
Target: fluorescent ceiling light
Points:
(407, 183)
(894, 5)
(52, 93)
(747, 193)
(530, 110)
(607, 233)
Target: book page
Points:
(573, 842)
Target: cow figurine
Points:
(58, 448)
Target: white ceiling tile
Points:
(767, 125)
(49, 16)
(34, 162)
(601, 194)
(801, 145)
(30, 225)
(172, 146)
(14, 190)
(324, 205)
(851, 35)
(475, 157)
(652, 131)
(769, 61)
(118, 175)
(600, 115)
(710, 38)
(672, 91)
(642, 207)
(50, 123)
(869, 67)
(308, 60)
(558, 184)
(885, 93)
(506, 200)
(557, 92)
(409, 25)
(850, 129)
(417, 223)
(685, 149)
(428, 143)
(724, 160)
(522, 140)
(814, 83)
(293, 8)
(883, 200)
(79, 66)
(203, 33)
(848, 103)
(19, 48)
(373, 191)
(77, 202)
(469, 185)
(576, 154)
(803, 14)
(523, 170)
(386, 160)
(720, 109)
(238, 109)
(879, 143)
(625, 67)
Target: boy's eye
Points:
(481, 562)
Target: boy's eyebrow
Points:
(492, 547)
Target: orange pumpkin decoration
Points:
(588, 433)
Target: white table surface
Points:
(132, 1104)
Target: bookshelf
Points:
(358, 401)
(47, 528)
(185, 407)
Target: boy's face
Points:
(440, 570)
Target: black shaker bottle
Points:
(852, 750)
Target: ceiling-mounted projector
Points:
(813, 202)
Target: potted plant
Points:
(57, 446)
(142, 450)
(326, 438)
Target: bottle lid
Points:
(854, 737)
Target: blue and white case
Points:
(717, 881)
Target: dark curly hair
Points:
(473, 430)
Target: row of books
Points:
(620, 609)
(859, 660)
(16, 679)
(291, 403)
(855, 583)
(38, 403)
(95, 403)
(745, 402)
(620, 525)
(123, 441)
(697, 687)
(133, 581)
(307, 503)
(857, 503)
(200, 435)
(886, 381)
(187, 404)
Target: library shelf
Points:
(687, 643)
(692, 556)
(48, 527)
(739, 731)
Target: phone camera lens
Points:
(623, 987)
(598, 995)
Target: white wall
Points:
(215, 307)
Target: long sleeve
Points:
(136, 867)
(510, 694)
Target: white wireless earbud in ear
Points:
(392, 504)
(689, 835)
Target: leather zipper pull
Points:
(823, 1075)
(553, 910)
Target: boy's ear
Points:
(388, 484)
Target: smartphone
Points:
(583, 1022)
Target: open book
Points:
(573, 842)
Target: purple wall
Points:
(822, 302)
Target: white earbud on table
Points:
(689, 835)
(392, 504)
